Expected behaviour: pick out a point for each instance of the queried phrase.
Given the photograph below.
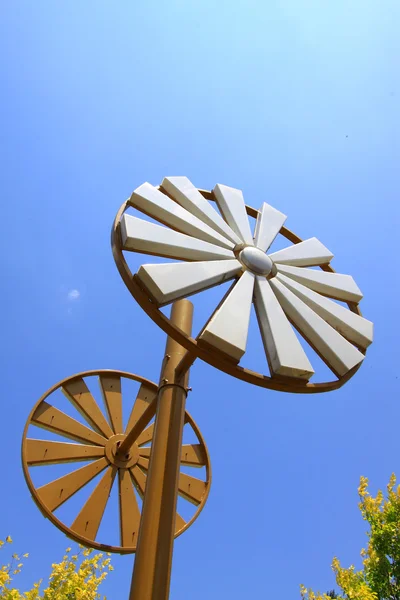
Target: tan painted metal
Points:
(152, 569)
(198, 349)
(97, 444)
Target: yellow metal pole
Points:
(153, 561)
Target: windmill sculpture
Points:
(145, 457)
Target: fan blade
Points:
(284, 352)
(88, 521)
(55, 493)
(159, 206)
(334, 285)
(144, 397)
(269, 223)
(42, 452)
(184, 192)
(128, 510)
(142, 236)
(335, 350)
(110, 386)
(193, 455)
(50, 418)
(169, 281)
(309, 253)
(352, 326)
(191, 489)
(231, 204)
(228, 327)
(146, 436)
(78, 394)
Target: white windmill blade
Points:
(339, 354)
(228, 328)
(269, 223)
(352, 326)
(232, 206)
(284, 352)
(159, 206)
(309, 253)
(187, 195)
(335, 285)
(142, 236)
(170, 281)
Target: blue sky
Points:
(296, 103)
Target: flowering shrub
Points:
(76, 577)
(379, 579)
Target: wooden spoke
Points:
(57, 492)
(144, 397)
(228, 327)
(128, 510)
(146, 436)
(309, 253)
(42, 452)
(170, 281)
(336, 351)
(159, 206)
(193, 455)
(191, 489)
(269, 223)
(184, 192)
(354, 328)
(143, 462)
(142, 236)
(88, 521)
(111, 392)
(50, 418)
(77, 392)
(139, 480)
(231, 204)
(284, 353)
(179, 523)
(334, 285)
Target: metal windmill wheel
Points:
(287, 292)
(96, 442)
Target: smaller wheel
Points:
(96, 443)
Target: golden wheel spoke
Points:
(193, 455)
(78, 393)
(57, 492)
(146, 436)
(143, 462)
(191, 489)
(50, 418)
(111, 391)
(88, 521)
(129, 510)
(43, 452)
(144, 397)
(139, 480)
(179, 523)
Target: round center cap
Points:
(256, 260)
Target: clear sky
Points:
(296, 102)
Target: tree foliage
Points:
(76, 577)
(379, 579)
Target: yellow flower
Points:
(9, 539)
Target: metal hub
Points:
(123, 462)
(256, 260)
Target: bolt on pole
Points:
(152, 568)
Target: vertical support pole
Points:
(152, 568)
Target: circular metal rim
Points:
(214, 358)
(59, 524)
